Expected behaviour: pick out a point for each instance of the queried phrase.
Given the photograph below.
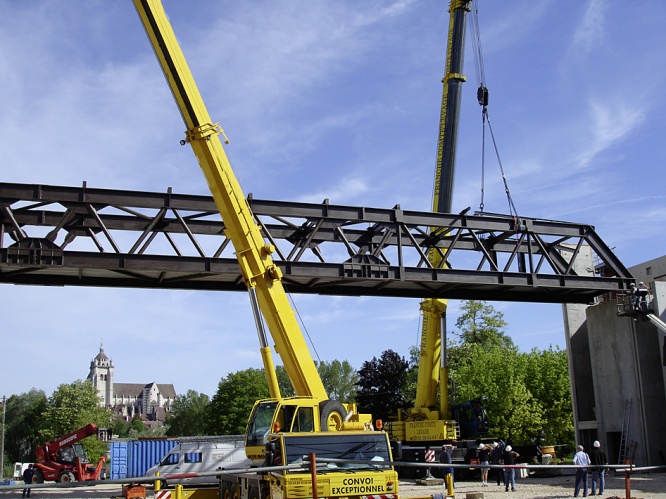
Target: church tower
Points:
(101, 375)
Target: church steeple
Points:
(101, 376)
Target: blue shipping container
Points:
(144, 454)
(133, 458)
(118, 465)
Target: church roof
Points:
(101, 355)
(167, 390)
(136, 389)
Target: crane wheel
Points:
(332, 415)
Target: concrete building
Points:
(618, 372)
(149, 401)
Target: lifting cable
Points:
(482, 97)
(300, 319)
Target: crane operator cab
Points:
(472, 418)
(272, 416)
(298, 415)
(71, 453)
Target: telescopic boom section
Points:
(259, 271)
(451, 97)
(433, 370)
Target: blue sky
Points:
(336, 100)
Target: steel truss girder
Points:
(53, 235)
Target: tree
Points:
(120, 428)
(527, 396)
(189, 414)
(409, 391)
(72, 407)
(136, 427)
(232, 404)
(22, 412)
(339, 379)
(497, 375)
(380, 385)
(481, 324)
(547, 378)
(284, 383)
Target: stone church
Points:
(149, 402)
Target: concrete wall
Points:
(580, 368)
(613, 360)
(578, 348)
(615, 379)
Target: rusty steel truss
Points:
(81, 236)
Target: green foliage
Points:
(21, 433)
(72, 407)
(232, 403)
(481, 324)
(120, 428)
(339, 379)
(380, 385)
(284, 383)
(189, 414)
(547, 378)
(136, 425)
(527, 396)
(497, 374)
(409, 390)
(138, 429)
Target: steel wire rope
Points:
(300, 319)
(482, 97)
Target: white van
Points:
(19, 468)
(201, 457)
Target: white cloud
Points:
(611, 122)
(590, 31)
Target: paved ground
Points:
(643, 486)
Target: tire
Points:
(234, 493)
(38, 476)
(253, 493)
(66, 477)
(224, 489)
(332, 415)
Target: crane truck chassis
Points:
(370, 473)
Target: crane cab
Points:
(297, 415)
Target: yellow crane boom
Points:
(311, 410)
(261, 275)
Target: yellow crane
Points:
(429, 422)
(311, 409)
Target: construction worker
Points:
(445, 458)
(642, 297)
(27, 479)
(599, 460)
(633, 296)
(581, 459)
